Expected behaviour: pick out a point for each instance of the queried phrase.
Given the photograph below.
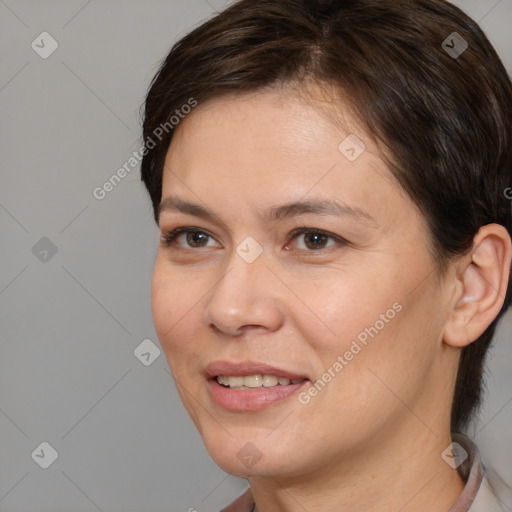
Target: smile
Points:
(254, 381)
(252, 398)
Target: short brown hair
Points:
(444, 116)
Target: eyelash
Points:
(169, 238)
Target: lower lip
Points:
(250, 399)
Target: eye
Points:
(194, 237)
(316, 239)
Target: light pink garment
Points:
(477, 496)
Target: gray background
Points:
(70, 321)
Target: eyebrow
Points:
(275, 213)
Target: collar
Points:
(471, 471)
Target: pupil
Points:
(317, 239)
(195, 238)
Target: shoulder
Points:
(493, 496)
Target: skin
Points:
(372, 438)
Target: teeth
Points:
(230, 381)
(254, 381)
(269, 381)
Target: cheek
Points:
(174, 306)
(162, 299)
(342, 308)
(361, 328)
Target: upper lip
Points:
(248, 368)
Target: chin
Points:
(232, 465)
(243, 459)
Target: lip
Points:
(250, 399)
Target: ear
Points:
(482, 281)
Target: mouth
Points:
(250, 386)
(254, 381)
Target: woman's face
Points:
(354, 308)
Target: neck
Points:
(395, 472)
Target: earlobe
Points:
(482, 281)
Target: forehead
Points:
(285, 127)
(301, 115)
(275, 146)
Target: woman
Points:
(329, 178)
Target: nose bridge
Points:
(245, 294)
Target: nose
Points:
(247, 296)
